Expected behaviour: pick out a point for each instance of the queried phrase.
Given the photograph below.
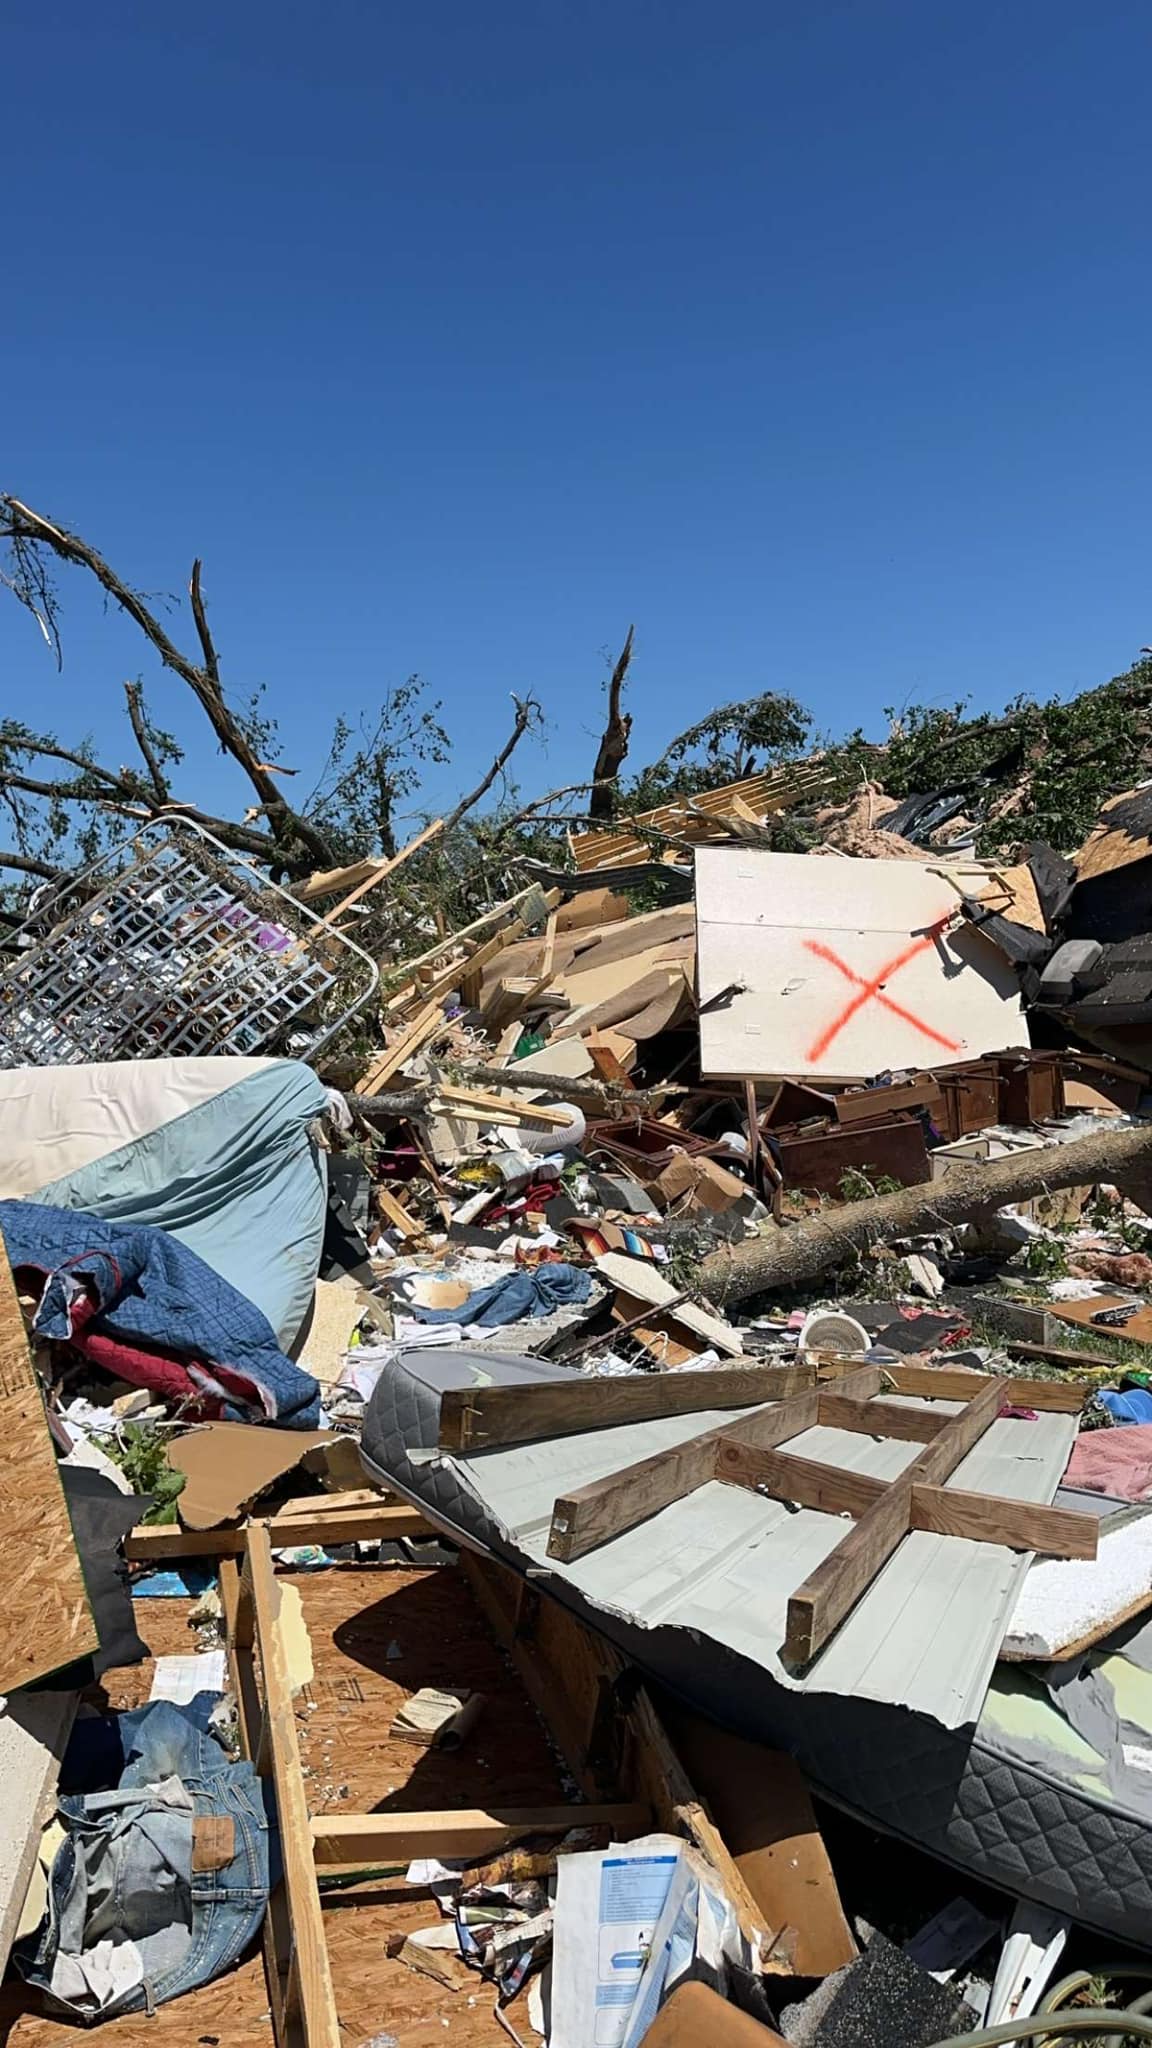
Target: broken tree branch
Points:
(527, 709)
(789, 1257)
(614, 743)
(26, 865)
(137, 717)
(29, 529)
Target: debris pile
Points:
(703, 1301)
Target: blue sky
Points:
(812, 339)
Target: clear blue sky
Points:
(813, 338)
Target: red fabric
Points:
(1116, 1461)
(160, 1372)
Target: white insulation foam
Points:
(1064, 1599)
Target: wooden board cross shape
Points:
(745, 1453)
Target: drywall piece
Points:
(841, 969)
(45, 1619)
(229, 1464)
(34, 1730)
(1067, 1605)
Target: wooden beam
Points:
(594, 1514)
(236, 1599)
(881, 1418)
(309, 1985)
(808, 1482)
(828, 1596)
(942, 1510)
(423, 1026)
(328, 1525)
(478, 1418)
(953, 1383)
(1018, 1524)
(397, 1215)
(360, 1841)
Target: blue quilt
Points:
(151, 1290)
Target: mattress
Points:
(1015, 1796)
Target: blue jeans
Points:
(168, 1874)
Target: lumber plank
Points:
(360, 1841)
(327, 1525)
(396, 1214)
(423, 1026)
(1018, 1524)
(807, 1481)
(45, 1618)
(942, 1510)
(475, 1418)
(956, 1383)
(311, 1982)
(236, 1600)
(881, 1418)
(828, 1595)
(594, 1514)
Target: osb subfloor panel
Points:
(377, 1635)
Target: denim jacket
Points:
(160, 1884)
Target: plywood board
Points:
(841, 969)
(45, 1619)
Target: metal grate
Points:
(169, 945)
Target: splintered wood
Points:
(45, 1619)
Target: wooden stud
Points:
(828, 1596)
(596, 1513)
(954, 1383)
(397, 1215)
(942, 1510)
(424, 1026)
(806, 1481)
(881, 1418)
(366, 1524)
(359, 1841)
(314, 1993)
(479, 1418)
(1018, 1524)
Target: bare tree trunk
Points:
(788, 1257)
(614, 745)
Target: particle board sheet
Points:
(45, 1619)
(723, 1562)
(841, 969)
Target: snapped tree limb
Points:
(527, 709)
(788, 1257)
(30, 532)
(614, 743)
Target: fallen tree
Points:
(790, 1256)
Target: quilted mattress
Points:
(1020, 1799)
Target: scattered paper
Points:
(179, 1679)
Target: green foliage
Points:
(733, 741)
(373, 767)
(1046, 1258)
(142, 1456)
(860, 1184)
(1041, 769)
